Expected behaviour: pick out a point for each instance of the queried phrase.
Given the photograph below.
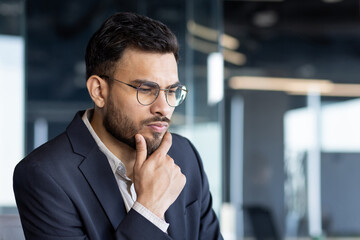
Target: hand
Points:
(158, 180)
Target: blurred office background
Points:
(273, 107)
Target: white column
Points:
(40, 132)
(215, 76)
(236, 161)
(12, 112)
(314, 165)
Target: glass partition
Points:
(12, 120)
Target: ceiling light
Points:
(332, 1)
(295, 86)
(230, 56)
(211, 34)
(265, 18)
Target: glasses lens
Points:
(176, 96)
(147, 93)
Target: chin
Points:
(152, 144)
(152, 135)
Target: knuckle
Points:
(182, 180)
(169, 159)
(172, 161)
(177, 168)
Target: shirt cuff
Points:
(146, 213)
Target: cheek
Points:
(170, 114)
(126, 104)
(135, 113)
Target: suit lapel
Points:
(97, 171)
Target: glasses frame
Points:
(166, 90)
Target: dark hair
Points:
(126, 30)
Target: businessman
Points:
(117, 172)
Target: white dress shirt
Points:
(126, 186)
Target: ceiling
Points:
(306, 17)
(296, 38)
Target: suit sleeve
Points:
(209, 224)
(136, 225)
(47, 213)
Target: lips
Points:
(158, 126)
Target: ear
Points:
(98, 90)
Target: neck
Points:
(122, 151)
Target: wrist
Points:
(152, 207)
(159, 222)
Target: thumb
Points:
(141, 150)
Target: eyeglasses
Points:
(148, 92)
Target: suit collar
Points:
(97, 171)
(79, 136)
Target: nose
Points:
(160, 106)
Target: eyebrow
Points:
(141, 81)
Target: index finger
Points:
(165, 144)
(141, 151)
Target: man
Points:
(116, 172)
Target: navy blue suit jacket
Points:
(65, 189)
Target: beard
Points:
(121, 127)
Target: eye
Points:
(144, 89)
(172, 91)
(147, 88)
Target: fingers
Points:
(165, 144)
(141, 151)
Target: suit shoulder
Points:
(178, 139)
(54, 144)
(48, 153)
(183, 148)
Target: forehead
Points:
(139, 65)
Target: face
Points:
(124, 116)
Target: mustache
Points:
(155, 119)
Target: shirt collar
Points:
(115, 163)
